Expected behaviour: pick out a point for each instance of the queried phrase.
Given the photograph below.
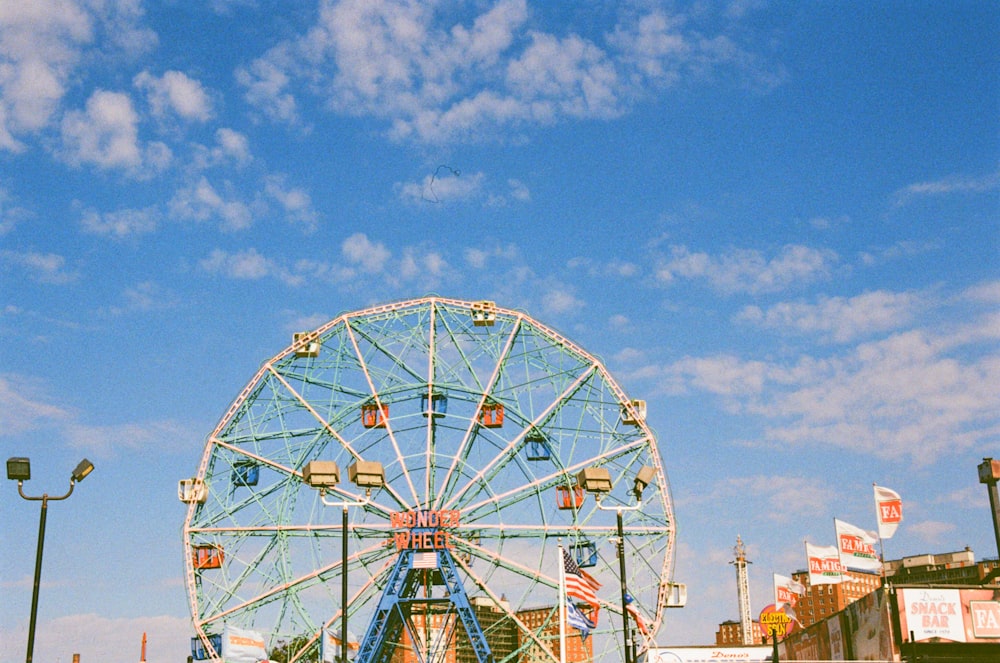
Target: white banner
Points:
(857, 547)
(786, 590)
(242, 646)
(889, 509)
(331, 646)
(824, 565)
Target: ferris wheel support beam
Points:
(395, 606)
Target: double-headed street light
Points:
(19, 470)
(597, 480)
(325, 475)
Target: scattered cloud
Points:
(435, 77)
(175, 93)
(360, 251)
(248, 265)
(24, 406)
(122, 223)
(911, 394)
(444, 185)
(200, 201)
(295, 202)
(749, 270)
(840, 319)
(932, 532)
(11, 213)
(107, 441)
(956, 184)
(40, 45)
(106, 134)
(42, 267)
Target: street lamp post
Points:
(597, 480)
(19, 469)
(325, 475)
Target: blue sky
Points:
(775, 222)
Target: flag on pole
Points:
(330, 647)
(889, 509)
(856, 547)
(824, 565)
(636, 615)
(786, 590)
(578, 620)
(579, 584)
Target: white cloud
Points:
(747, 270)
(122, 223)
(841, 319)
(569, 75)
(435, 77)
(106, 441)
(910, 394)
(246, 265)
(42, 267)
(40, 44)
(201, 202)
(358, 250)
(232, 144)
(11, 214)
(948, 185)
(295, 201)
(177, 93)
(558, 300)
(442, 187)
(106, 134)
(24, 407)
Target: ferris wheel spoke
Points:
(489, 470)
(551, 480)
(465, 445)
(291, 586)
(378, 404)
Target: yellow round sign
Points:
(775, 620)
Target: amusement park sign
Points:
(423, 529)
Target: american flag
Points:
(579, 584)
(425, 560)
(636, 615)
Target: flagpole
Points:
(878, 529)
(562, 606)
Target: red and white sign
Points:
(985, 616)
(857, 547)
(933, 613)
(824, 565)
(889, 508)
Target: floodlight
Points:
(321, 473)
(643, 478)
(366, 474)
(594, 480)
(18, 469)
(84, 468)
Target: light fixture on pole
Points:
(19, 470)
(325, 475)
(597, 480)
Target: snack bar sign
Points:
(958, 615)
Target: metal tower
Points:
(743, 592)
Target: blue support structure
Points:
(399, 597)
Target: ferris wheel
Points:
(483, 425)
